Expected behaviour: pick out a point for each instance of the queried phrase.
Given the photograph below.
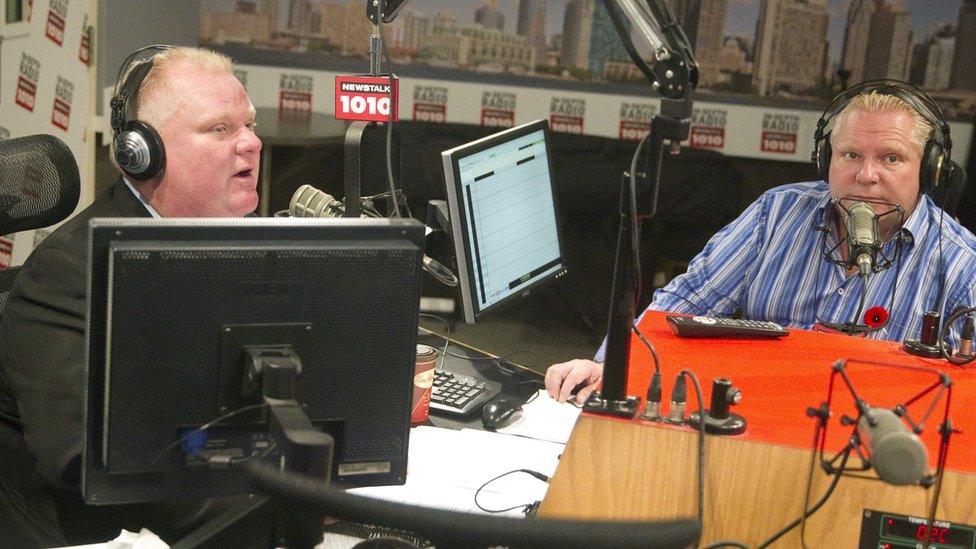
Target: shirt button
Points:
(840, 291)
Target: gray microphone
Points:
(308, 201)
(897, 454)
(862, 236)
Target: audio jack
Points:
(652, 412)
(965, 352)
(679, 398)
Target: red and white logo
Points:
(566, 114)
(61, 113)
(84, 49)
(430, 104)
(30, 72)
(365, 98)
(635, 120)
(56, 17)
(779, 133)
(295, 93)
(497, 109)
(708, 128)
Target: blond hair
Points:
(874, 102)
(156, 101)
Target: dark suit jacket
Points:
(42, 385)
(42, 338)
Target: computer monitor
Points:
(175, 307)
(504, 220)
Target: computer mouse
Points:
(500, 411)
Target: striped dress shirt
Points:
(769, 264)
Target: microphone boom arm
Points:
(673, 74)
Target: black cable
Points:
(650, 347)
(816, 507)
(725, 543)
(204, 427)
(447, 337)
(860, 304)
(701, 447)
(634, 224)
(526, 507)
(944, 332)
(499, 360)
(394, 199)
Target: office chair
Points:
(454, 529)
(39, 186)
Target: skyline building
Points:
(964, 57)
(605, 45)
(704, 23)
(890, 42)
(790, 38)
(490, 17)
(577, 33)
(532, 25)
(938, 63)
(856, 33)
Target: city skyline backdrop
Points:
(740, 20)
(784, 48)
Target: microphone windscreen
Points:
(896, 454)
(39, 182)
(307, 201)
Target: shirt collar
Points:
(142, 199)
(917, 223)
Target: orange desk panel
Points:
(781, 378)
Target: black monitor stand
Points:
(301, 448)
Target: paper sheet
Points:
(544, 418)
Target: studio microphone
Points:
(897, 454)
(862, 237)
(311, 202)
(307, 201)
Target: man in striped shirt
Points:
(772, 262)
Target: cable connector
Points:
(679, 397)
(652, 412)
(965, 351)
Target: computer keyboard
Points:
(459, 395)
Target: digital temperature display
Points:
(888, 530)
(946, 535)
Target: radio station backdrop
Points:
(562, 60)
(45, 53)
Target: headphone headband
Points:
(937, 149)
(138, 148)
(917, 99)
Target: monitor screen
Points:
(175, 307)
(502, 204)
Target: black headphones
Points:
(139, 150)
(935, 168)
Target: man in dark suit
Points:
(203, 162)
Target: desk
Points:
(479, 368)
(755, 482)
(276, 127)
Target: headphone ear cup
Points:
(933, 168)
(823, 157)
(140, 152)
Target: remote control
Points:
(706, 326)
